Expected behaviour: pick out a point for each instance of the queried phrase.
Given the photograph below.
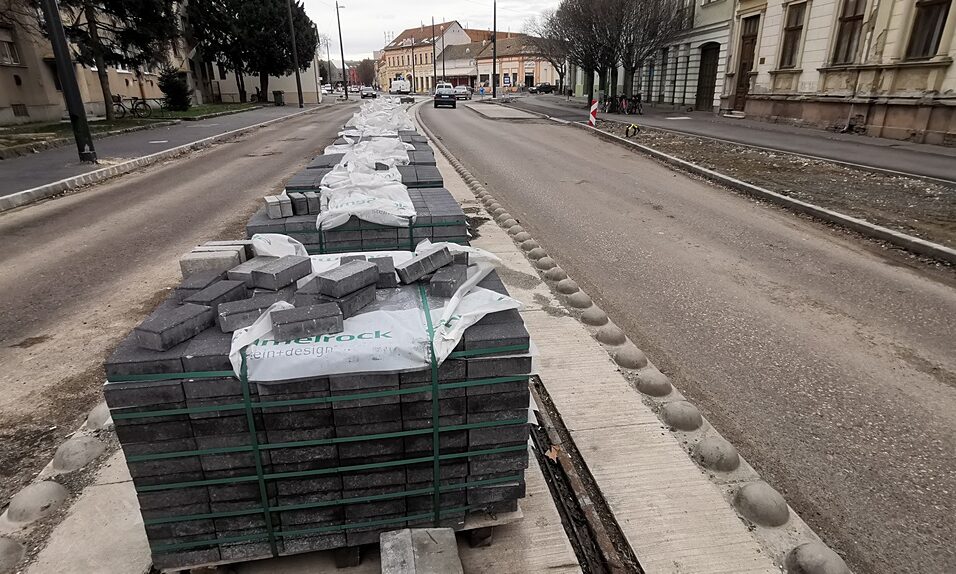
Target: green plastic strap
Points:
(336, 502)
(251, 422)
(314, 401)
(488, 351)
(323, 471)
(436, 410)
(172, 376)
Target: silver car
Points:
(462, 93)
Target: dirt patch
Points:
(910, 205)
(31, 341)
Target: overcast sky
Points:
(365, 22)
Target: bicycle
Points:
(138, 108)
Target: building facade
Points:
(30, 87)
(881, 67)
(412, 54)
(518, 66)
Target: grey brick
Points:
(196, 282)
(311, 385)
(273, 209)
(350, 305)
(246, 244)
(159, 447)
(141, 394)
(161, 467)
(498, 463)
(302, 544)
(496, 493)
(488, 367)
(167, 328)
(243, 271)
(369, 402)
(423, 409)
(423, 264)
(374, 509)
(374, 478)
(131, 359)
(285, 204)
(314, 202)
(370, 534)
(282, 272)
(446, 281)
(307, 487)
(425, 502)
(260, 223)
(367, 415)
(236, 315)
(497, 436)
(180, 529)
(448, 469)
(361, 381)
(285, 294)
(349, 258)
(185, 558)
(346, 278)
(499, 401)
(510, 387)
(198, 261)
(500, 317)
(449, 370)
(300, 205)
(499, 415)
(218, 293)
(291, 324)
(325, 161)
(301, 223)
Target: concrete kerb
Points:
(908, 242)
(35, 194)
(791, 541)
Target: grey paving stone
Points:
(314, 202)
(163, 499)
(273, 209)
(488, 367)
(300, 205)
(374, 509)
(446, 281)
(368, 415)
(239, 314)
(500, 317)
(159, 447)
(218, 293)
(197, 261)
(347, 278)
(498, 401)
(447, 470)
(165, 329)
(195, 283)
(301, 223)
(260, 223)
(423, 264)
(180, 529)
(325, 161)
(373, 478)
(360, 381)
(246, 244)
(423, 409)
(185, 558)
(141, 394)
(369, 402)
(282, 272)
(131, 359)
(310, 385)
(291, 324)
(498, 463)
(450, 370)
(498, 436)
(285, 203)
(350, 304)
(243, 271)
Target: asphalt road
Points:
(80, 271)
(27, 172)
(918, 159)
(828, 364)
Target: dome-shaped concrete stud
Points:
(555, 274)
(716, 453)
(537, 253)
(77, 452)
(522, 236)
(515, 230)
(488, 201)
(682, 416)
(593, 315)
(545, 263)
(494, 206)
(498, 213)
(653, 383)
(529, 245)
(815, 558)
(580, 300)
(36, 501)
(99, 417)
(508, 223)
(759, 503)
(567, 286)
(610, 335)
(11, 552)
(630, 357)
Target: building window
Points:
(848, 31)
(8, 49)
(222, 71)
(927, 28)
(792, 33)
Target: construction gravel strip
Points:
(910, 205)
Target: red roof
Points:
(421, 34)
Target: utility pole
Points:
(328, 60)
(295, 56)
(414, 73)
(67, 73)
(434, 61)
(494, 49)
(345, 84)
(443, 55)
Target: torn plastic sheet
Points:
(390, 335)
(376, 196)
(386, 151)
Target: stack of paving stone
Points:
(439, 218)
(191, 430)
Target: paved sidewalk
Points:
(27, 172)
(920, 159)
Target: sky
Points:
(365, 22)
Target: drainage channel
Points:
(598, 542)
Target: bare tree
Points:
(545, 37)
(649, 26)
(592, 30)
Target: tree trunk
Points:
(561, 88)
(264, 86)
(613, 81)
(628, 82)
(240, 83)
(89, 11)
(602, 80)
(589, 85)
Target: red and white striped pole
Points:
(592, 118)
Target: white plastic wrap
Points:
(376, 196)
(387, 151)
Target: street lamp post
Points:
(443, 55)
(328, 60)
(414, 73)
(494, 50)
(434, 61)
(295, 55)
(71, 90)
(345, 84)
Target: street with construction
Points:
(436, 326)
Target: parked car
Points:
(462, 93)
(368, 93)
(542, 88)
(445, 96)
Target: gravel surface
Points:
(910, 205)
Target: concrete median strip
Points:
(35, 194)
(684, 500)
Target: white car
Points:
(444, 86)
(462, 93)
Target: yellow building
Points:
(29, 86)
(881, 67)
